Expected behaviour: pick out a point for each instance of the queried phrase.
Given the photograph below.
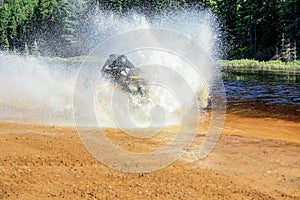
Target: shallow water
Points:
(268, 93)
(263, 94)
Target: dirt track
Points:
(255, 158)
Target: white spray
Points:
(35, 90)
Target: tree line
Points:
(251, 28)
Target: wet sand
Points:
(255, 158)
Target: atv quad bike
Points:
(121, 72)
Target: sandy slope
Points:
(255, 158)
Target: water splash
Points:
(34, 90)
(40, 90)
(200, 26)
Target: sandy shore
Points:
(255, 158)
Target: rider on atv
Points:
(119, 70)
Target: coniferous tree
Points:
(36, 49)
(6, 45)
(14, 50)
(26, 49)
(252, 29)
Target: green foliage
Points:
(6, 45)
(252, 29)
(14, 50)
(261, 65)
(26, 49)
(36, 49)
